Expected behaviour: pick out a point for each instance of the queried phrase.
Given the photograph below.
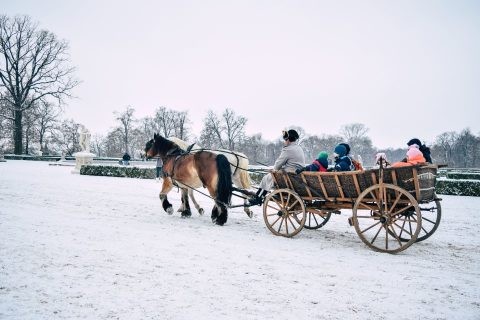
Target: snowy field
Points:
(84, 247)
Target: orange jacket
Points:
(419, 159)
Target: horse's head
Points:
(158, 146)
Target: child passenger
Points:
(319, 164)
(414, 157)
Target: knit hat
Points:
(340, 150)
(322, 155)
(414, 141)
(413, 153)
(347, 147)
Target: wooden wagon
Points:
(391, 207)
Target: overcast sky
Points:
(402, 68)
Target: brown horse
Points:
(193, 170)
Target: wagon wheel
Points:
(385, 228)
(316, 218)
(284, 212)
(431, 216)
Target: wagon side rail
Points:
(345, 187)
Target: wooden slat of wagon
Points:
(306, 186)
(394, 180)
(323, 187)
(339, 187)
(274, 179)
(374, 182)
(357, 185)
(394, 177)
(289, 182)
(417, 183)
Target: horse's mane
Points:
(165, 146)
(182, 144)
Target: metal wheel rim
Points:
(383, 228)
(284, 213)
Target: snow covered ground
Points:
(87, 247)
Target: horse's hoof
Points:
(170, 210)
(249, 214)
(186, 214)
(201, 211)
(214, 220)
(219, 223)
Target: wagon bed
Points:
(393, 198)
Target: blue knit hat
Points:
(340, 150)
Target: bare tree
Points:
(234, 127)
(445, 143)
(98, 145)
(211, 135)
(33, 66)
(223, 132)
(127, 121)
(182, 125)
(46, 115)
(164, 122)
(66, 137)
(353, 131)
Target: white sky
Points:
(404, 68)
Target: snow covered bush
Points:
(458, 187)
(118, 171)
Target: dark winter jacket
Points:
(318, 165)
(343, 164)
(426, 153)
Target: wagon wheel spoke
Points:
(373, 225)
(396, 236)
(369, 217)
(386, 236)
(385, 200)
(273, 208)
(402, 228)
(310, 215)
(292, 223)
(367, 206)
(428, 220)
(401, 210)
(376, 235)
(376, 200)
(394, 204)
(293, 204)
(280, 225)
(275, 222)
(286, 219)
(316, 220)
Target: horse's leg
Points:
(222, 213)
(238, 183)
(195, 203)
(186, 212)
(214, 214)
(166, 187)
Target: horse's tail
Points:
(224, 184)
(244, 175)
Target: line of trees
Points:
(36, 79)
